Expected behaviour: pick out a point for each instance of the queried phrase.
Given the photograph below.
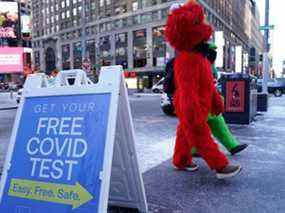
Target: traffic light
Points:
(261, 58)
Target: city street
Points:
(260, 187)
(70, 131)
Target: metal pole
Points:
(83, 33)
(266, 65)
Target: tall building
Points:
(256, 40)
(128, 32)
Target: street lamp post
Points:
(266, 66)
(266, 50)
(83, 33)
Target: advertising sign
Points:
(67, 140)
(58, 157)
(26, 24)
(235, 91)
(238, 59)
(24, 1)
(220, 42)
(9, 19)
(11, 59)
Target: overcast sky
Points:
(277, 17)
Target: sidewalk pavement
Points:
(7, 102)
(138, 95)
(259, 188)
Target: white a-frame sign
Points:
(72, 148)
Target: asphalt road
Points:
(6, 124)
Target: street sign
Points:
(269, 27)
(67, 141)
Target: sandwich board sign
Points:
(72, 147)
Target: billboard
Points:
(238, 59)
(220, 42)
(24, 1)
(26, 23)
(9, 19)
(11, 59)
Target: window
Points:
(102, 3)
(118, 24)
(91, 51)
(122, 49)
(135, 6)
(77, 55)
(136, 19)
(164, 13)
(145, 18)
(159, 46)
(37, 58)
(66, 57)
(139, 48)
(74, 12)
(155, 16)
(105, 51)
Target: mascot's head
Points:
(187, 27)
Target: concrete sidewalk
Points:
(259, 188)
(7, 102)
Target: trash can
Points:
(240, 95)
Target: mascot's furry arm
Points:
(217, 107)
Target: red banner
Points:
(235, 101)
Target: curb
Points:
(8, 108)
(146, 94)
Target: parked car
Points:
(4, 86)
(275, 86)
(166, 104)
(158, 87)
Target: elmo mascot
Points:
(195, 95)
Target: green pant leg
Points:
(221, 132)
(194, 151)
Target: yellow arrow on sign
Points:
(49, 192)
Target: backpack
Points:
(168, 84)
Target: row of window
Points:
(105, 56)
(120, 23)
(62, 15)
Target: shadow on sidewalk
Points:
(259, 188)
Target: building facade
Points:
(127, 32)
(256, 40)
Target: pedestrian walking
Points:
(195, 94)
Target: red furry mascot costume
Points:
(195, 96)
